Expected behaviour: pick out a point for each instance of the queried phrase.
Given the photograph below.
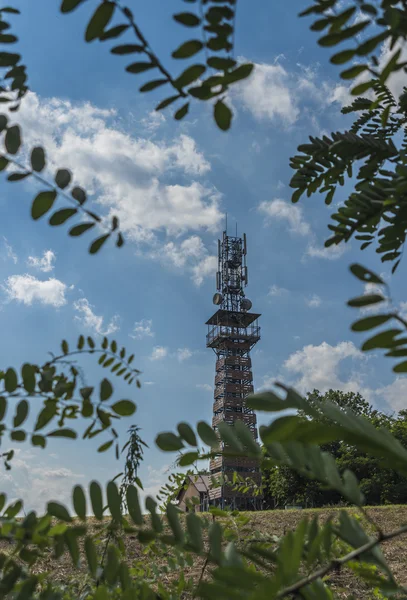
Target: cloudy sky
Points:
(171, 185)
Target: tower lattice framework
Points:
(232, 333)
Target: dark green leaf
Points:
(223, 115)
(98, 243)
(188, 49)
(188, 19)
(61, 216)
(124, 408)
(188, 459)
(96, 499)
(189, 75)
(57, 510)
(222, 64)
(140, 67)
(370, 322)
(127, 49)
(106, 446)
(114, 501)
(80, 229)
(10, 380)
(65, 433)
(18, 435)
(401, 367)
(99, 21)
(207, 434)
(353, 71)
(79, 502)
(79, 195)
(169, 442)
(342, 57)
(91, 556)
(63, 178)
(366, 300)
(64, 347)
(28, 375)
(21, 413)
(365, 275)
(384, 339)
(42, 203)
(152, 85)
(133, 505)
(39, 440)
(106, 390)
(68, 5)
(187, 433)
(7, 59)
(3, 407)
(90, 341)
(13, 139)
(167, 102)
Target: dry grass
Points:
(267, 523)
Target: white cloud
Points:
(285, 211)
(273, 93)
(189, 256)
(204, 386)
(142, 329)
(35, 482)
(275, 290)
(153, 120)
(319, 367)
(45, 263)
(313, 302)
(128, 173)
(331, 253)
(395, 393)
(148, 383)
(9, 252)
(90, 320)
(184, 354)
(27, 289)
(159, 352)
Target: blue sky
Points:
(172, 185)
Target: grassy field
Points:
(268, 523)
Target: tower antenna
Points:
(226, 223)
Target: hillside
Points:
(267, 523)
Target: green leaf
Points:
(91, 556)
(106, 390)
(64, 347)
(106, 446)
(194, 528)
(127, 49)
(8, 59)
(228, 435)
(114, 32)
(18, 176)
(65, 433)
(381, 340)
(342, 57)
(45, 416)
(189, 75)
(18, 435)
(168, 442)
(241, 72)
(167, 102)
(187, 433)
(39, 440)
(353, 71)
(188, 459)
(3, 407)
(42, 203)
(124, 408)
(98, 243)
(96, 499)
(366, 300)
(187, 19)
(207, 434)
(28, 375)
(140, 67)
(57, 510)
(21, 413)
(370, 322)
(188, 49)
(13, 139)
(220, 63)
(63, 178)
(79, 195)
(152, 85)
(215, 541)
(362, 88)
(79, 502)
(38, 159)
(10, 380)
(174, 523)
(401, 367)
(80, 229)
(69, 5)
(61, 216)
(365, 275)
(223, 115)
(133, 505)
(114, 501)
(99, 21)
(3, 163)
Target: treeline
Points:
(283, 486)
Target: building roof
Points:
(202, 483)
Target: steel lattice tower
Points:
(232, 333)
